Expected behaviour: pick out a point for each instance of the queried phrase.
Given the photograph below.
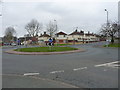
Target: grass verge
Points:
(112, 45)
(61, 44)
(45, 49)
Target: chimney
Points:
(81, 31)
(44, 33)
(76, 30)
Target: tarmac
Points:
(21, 81)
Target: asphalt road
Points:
(83, 69)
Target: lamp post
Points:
(107, 25)
(107, 16)
(56, 28)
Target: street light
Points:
(107, 16)
(107, 24)
(56, 28)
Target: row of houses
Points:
(75, 36)
(60, 37)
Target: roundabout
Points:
(88, 69)
(44, 50)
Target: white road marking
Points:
(76, 69)
(57, 71)
(104, 70)
(28, 74)
(111, 64)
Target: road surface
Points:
(94, 68)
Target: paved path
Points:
(82, 69)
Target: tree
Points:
(52, 28)
(9, 34)
(33, 27)
(110, 30)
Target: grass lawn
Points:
(45, 49)
(113, 45)
(61, 44)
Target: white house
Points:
(45, 37)
(61, 37)
(75, 36)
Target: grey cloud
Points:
(87, 16)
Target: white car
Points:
(13, 44)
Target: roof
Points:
(77, 33)
(89, 34)
(45, 35)
(61, 33)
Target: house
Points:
(44, 37)
(61, 37)
(22, 39)
(90, 37)
(76, 36)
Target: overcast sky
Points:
(87, 16)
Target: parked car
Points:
(13, 44)
(6, 44)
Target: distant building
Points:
(90, 37)
(61, 37)
(75, 36)
(43, 37)
(22, 39)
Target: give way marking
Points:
(111, 64)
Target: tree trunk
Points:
(112, 39)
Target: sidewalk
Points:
(19, 81)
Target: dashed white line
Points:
(29, 74)
(76, 69)
(57, 71)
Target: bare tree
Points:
(52, 28)
(110, 30)
(9, 34)
(33, 27)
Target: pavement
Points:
(94, 68)
(20, 81)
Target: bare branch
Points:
(52, 28)
(110, 30)
(33, 27)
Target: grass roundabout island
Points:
(45, 49)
